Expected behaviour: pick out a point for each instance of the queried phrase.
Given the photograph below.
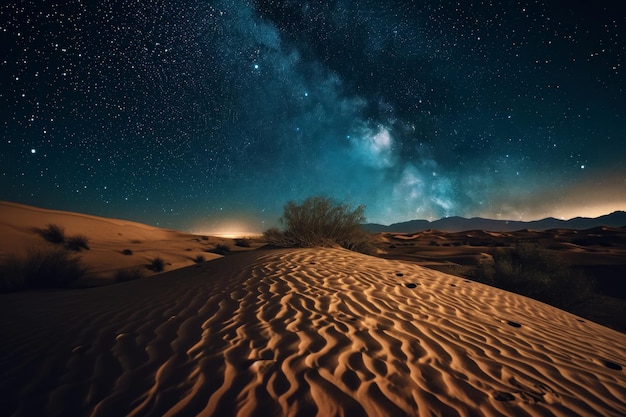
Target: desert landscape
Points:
(299, 331)
(312, 208)
(599, 254)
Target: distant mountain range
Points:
(460, 224)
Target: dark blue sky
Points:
(196, 114)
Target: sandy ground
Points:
(603, 246)
(598, 253)
(108, 240)
(302, 332)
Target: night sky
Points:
(210, 115)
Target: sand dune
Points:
(108, 239)
(305, 332)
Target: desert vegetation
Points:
(321, 221)
(130, 274)
(220, 249)
(55, 234)
(77, 243)
(52, 233)
(41, 268)
(156, 264)
(531, 270)
(243, 242)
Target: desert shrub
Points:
(533, 271)
(40, 268)
(53, 233)
(156, 264)
(77, 243)
(127, 252)
(199, 258)
(129, 274)
(321, 221)
(220, 249)
(243, 242)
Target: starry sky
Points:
(205, 115)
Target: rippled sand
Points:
(304, 332)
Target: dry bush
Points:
(41, 268)
(198, 259)
(533, 271)
(52, 233)
(220, 249)
(156, 264)
(77, 243)
(243, 242)
(130, 274)
(321, 221)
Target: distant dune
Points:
(114, 244)
(298, 332)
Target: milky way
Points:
(193, 114)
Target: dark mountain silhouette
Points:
(460, 224)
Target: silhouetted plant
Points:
(41, 268)
(534, 272)
(53, 233)
(77, 243)
(220, 249)
(198, 259)
(129, 274)
(157, 264)
(127, 252)
(321, 221)
(243, 242)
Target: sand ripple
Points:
(311, 332)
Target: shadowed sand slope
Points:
(307, 332)
(114, 244)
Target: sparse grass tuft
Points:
(156, 264)
(198, 259)
(41, 268)
(127, 252)
(52, 233)
(77, 243)
(131, 274)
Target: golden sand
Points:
(303, 332)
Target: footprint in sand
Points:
(612, 365)
(411, 285)
(503, 396)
